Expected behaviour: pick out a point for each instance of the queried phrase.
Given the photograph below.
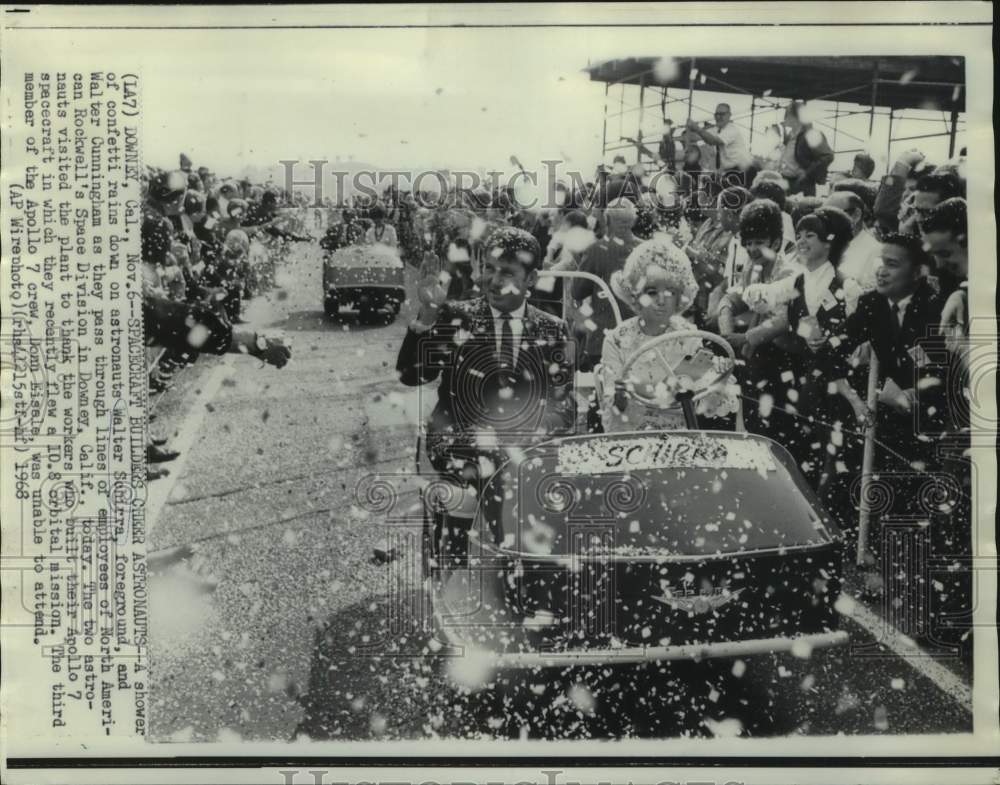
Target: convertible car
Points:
(637, 546)
(631, 547)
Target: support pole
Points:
(691, 71)
(888, 148)
(642, 114)
(753, 108)
(621, 111)
(871, 119)
(953, 132)
(604, 134)
(836, 122)
(867, 464)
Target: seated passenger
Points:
(381, 233)
(657, 282)
(761, 237)
(761, 338)
(347, 232)
(505, 366)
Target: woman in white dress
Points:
(657, 282)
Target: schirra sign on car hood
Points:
(673, 493)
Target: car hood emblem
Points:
(698, 603)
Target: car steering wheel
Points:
(693, 396)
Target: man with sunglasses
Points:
(910, 191)
(732, 153)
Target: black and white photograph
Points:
(495, 386)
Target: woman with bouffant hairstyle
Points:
(658, 284)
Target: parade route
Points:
(272, 617)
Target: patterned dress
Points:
(650, 375)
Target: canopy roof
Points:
(895, 82)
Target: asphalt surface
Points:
(272, 620)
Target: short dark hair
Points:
(951, 215)
(865, 190)
(865, 163)
(761, 220)
(769, 190)
(854, 201)
(509, 241)
(945, 184)
(833, 226)
(575, 218)
(802, 206)
(913, 246)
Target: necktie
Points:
(718, 159)
(506, 344)
(897, 328)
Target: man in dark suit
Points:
(505, 367)
(900, 319)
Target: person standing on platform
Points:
(732, 153)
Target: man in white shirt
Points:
(732, 153)
(863, 256)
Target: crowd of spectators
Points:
(810, 275)
(206, 247)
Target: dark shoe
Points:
(157, 473)
(159, 442)
(156, 454)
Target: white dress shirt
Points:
(901, 307)
(734, 153)
(816, 284)
(516, 327)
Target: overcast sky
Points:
(448, 98)
(389, 97)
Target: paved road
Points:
(268, 608)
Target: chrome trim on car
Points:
(637, 654)
(568, 559)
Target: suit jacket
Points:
(602, 259)
(915, 359)
(871, 322)
(475, 396)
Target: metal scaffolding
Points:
(642, 103)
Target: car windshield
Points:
(663, 494)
